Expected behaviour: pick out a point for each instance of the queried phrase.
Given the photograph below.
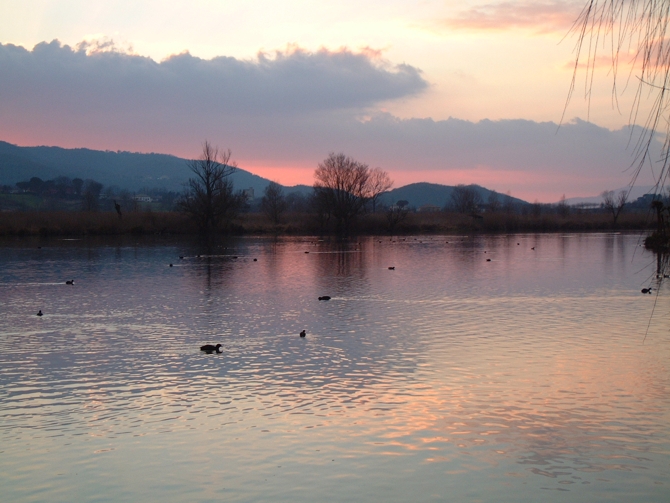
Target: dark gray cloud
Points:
(577, 157)
(55, 78)
(289, 111)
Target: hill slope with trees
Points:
(132, 171)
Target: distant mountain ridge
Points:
(635, 193)
(424, 193)
(134, 171)
(125, 170)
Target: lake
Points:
(507, 368)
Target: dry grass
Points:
(444, 223)
(148, 222)
(69, 223)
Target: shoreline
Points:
(139, 223)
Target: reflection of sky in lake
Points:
(448, 378)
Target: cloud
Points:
(283, 113)
(537, 16)
(95, 78)
(533, 159)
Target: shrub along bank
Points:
(68, 223)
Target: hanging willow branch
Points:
(640, 28)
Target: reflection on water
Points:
(450, 377)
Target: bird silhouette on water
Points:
(646, 290)
(303, 334)
(325, 297)
(209, 349)
(69, 282)
(39, 313)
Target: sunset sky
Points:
(439, 91)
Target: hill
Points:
(635, 193)
(134, 171)
(423, 193)
(126, 170)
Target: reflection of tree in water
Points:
(662, 260)
(342, 263)
(363, 374)
(210, 263)
(259, 309)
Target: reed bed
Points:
(69, 223)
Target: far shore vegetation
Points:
(344, 201)
(145, 222)
(144, 219)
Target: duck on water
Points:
(209, 349)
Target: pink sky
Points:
(444, 92)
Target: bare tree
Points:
(342, 188)
(493, 205)
(396, 214)
(379, 182)
(614, 203)
(77, 185)
(562, 207)
(509, 206)
(274, 203)
(319, 204)
(536, 208)
(296, 202)
(209, 199)
(91, 195)
(465, 199)
(619, 26)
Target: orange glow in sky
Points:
(283, 85)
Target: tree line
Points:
(344, 189)
(64, 193)
(86, 191)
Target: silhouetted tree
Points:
(614, 203)
(379, 182)
(77, 184)
(209, 199)
(493, 204)
(342, 188)
(90, 195)
(127, 200)
(536, 208)
(396, 214)
(63, 186)
(658, 207)
(274, 203)
(320, 206)
(562, 207)
(296, 202)
(35, 185)
(465, 199)
(642, 29)
(508, 203)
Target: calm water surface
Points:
(538, 375)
